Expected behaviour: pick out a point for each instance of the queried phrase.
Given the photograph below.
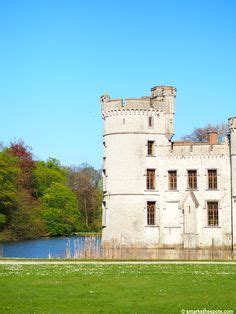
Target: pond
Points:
(62, 247)
(90, 247)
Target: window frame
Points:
(151, 213)
(150, 148)
(175, 186)
(212, 181)
(214, 214)
(192, 180)
(150, 185)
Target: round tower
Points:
(134, 128)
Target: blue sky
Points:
(58, 57)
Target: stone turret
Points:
(166, 94)
(163, 91)
(232, 134)
(129, 125)
(161, 102)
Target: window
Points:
(104, 172)
(192, 179)
(150, 122)
(151, 209)
(212, 179)
(104, 214)
(212, 210)
(172, 175)
(150, 146)
(150, 179)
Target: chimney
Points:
(212, 137)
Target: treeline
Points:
(40, 198)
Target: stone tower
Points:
(130, 126)
(232, 128)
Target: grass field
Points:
(116, 288)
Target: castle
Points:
(162, 194)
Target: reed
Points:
(89, 247)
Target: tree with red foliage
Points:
(26, 165)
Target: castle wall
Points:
(181, 216)
(232, 125)
(204, 235)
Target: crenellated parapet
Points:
(163, 91)
(162, 99)
(203, 150)
(160, 103)
(134, 112)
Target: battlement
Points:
(232, 123)
(163, 91)
(184, 150)
(162, 98)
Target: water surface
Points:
(53, 247)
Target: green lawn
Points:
(116, 288)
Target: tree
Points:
(201, 134)
(26, 222)
(26, 164)
(8, 192)
(47, 173)
(85, 181)
(40, 198)
(3, 220)
(60, 210)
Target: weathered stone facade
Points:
(137, 145)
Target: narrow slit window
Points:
(104, 214)
(172, 177)
(150, 179)
(151, 213)
(212, 210)
(212, 179)
(150, 148)
(150, 122)
(192, 179)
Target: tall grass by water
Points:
(90, 247)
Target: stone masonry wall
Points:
(181, 215)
